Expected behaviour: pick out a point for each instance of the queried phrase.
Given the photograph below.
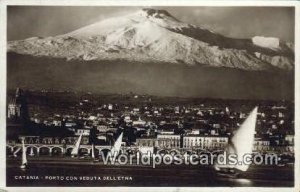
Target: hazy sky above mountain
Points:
(238, 22)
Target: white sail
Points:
(146, 150)
(76, 147)
(227, 110)
(24, 158)
(117, 146)
(242, 142)
(15, 153)
(93, 151)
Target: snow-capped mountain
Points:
(156, 36)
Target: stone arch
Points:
(9, 150)
(205, 152)
(217, 152)
(56, 151)
(83, 150)
(69, 148)
(44, 150)
(96, 152)
(69, 151)
(198, 150)
(32, 150)
(103, 148)
(130, 151)
(174, 152)
(188, 152)
(104, 151)
(201, 152)
(162, 151)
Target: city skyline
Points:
(84, 128)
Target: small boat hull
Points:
(228, 172)
(23, 167)
(96, 160)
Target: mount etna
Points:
(152, 52)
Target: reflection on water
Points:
(245, 182)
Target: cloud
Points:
(238, 22)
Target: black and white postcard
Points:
(178, 95)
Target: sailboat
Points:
(24, 158)
(95, 159)
(75, 150)
(240, 143)
(117, 146)
(16, 152)
(31, 152)
(93, 151)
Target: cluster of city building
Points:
(189, 126)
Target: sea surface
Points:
(85, 172)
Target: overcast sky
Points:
(238, 22)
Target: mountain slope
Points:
(156, 36)
(161, 79)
